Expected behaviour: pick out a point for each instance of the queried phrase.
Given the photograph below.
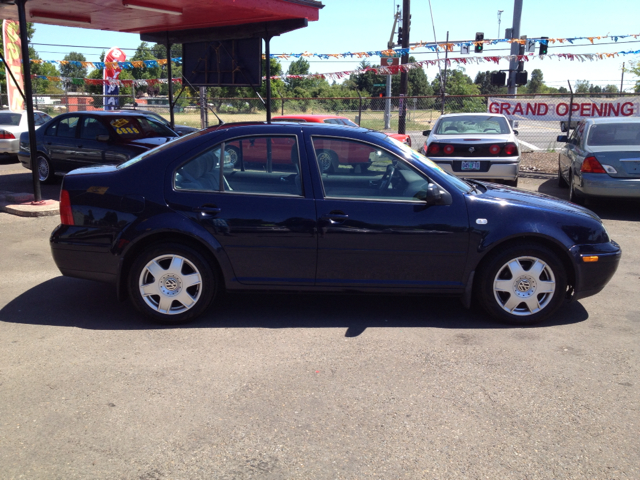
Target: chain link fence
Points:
(378, 113)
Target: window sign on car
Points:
(123, 126)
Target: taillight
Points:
(494, 149)
(448, 149)
(407, 140)
(434, 149)
(66, 215)
(592, 165)
(4, 135)
(510, 149)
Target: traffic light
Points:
(521, 78)
(544, 46)
(498, 79)
(399, 35)
(479, 46)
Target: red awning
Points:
(145, 16)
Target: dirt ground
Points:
(539, 162)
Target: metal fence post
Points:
(359, 108)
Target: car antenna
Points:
(221, 122)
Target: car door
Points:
(265, 221)
(572, 154)
(376, 229)
(61, 143)
(92, 151)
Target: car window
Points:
(352, 169)
(614, 134)
(37, 119)
(134, 128)
(91, 128)
(333, 121)
(67, 127)
(576, 138)
(7, 118)
(465, 124)
(262, 165)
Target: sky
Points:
(365, 25)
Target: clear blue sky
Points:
(365, 25)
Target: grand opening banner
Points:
(111, 89)
(13, 56)
(552, 109)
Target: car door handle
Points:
(337, 217)
(208, 210)
(79, 146)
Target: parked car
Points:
(601, 159)
(179, 129)
(13, 124)
(79, 139)
(475, 145)
(188, 231)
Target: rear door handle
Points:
(337, 217)
(207, 210)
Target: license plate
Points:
(470, 165)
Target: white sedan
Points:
(12, 124)
(475, 145)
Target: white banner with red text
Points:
(556, 109)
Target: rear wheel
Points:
(45, 172)
(561, 182)
(522, 284)
(171, 283)
(511, 183)
(574, 195)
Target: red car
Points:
(330, 157)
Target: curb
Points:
(22, 205)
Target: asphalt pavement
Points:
(312, 387)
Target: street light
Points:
(499, 20)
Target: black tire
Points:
(167, 288)
(561, 181)
(327, 161)
(511, 183)
(522, 284)
(45, 172)
(574, 195)
(234, 155)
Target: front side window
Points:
(357, 170)
(261, 165)
(466, 124)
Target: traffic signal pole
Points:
(404, 76)
(515, 47)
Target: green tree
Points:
(536, 82)
(417, 83)
(582, 86)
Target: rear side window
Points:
(261, 165)
(133, 128)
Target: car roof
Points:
(485, 114)
(292, 126)
(312, 117)
(605, 120)
(107, 113)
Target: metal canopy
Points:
(146, 16)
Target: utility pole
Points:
(515, 47)
(404, 76)
(499, 21)
(622, 79)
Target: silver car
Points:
(475, 145)
(601, 158)
(12, 124)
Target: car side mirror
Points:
(426, 133)
(563, 138)
(434, 194)
(102, 138)
(516, 132)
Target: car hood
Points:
(504, 196)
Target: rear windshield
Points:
(614, 134)
(7, 118)
(472, 124)
(134, 128)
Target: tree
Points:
(582, 86)
(417, 82)
(634, 67)
(536, 82)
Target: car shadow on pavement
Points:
(23, 183)
(608, 208)
(68, 302)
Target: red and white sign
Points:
(13, 56)
(558, 109)
(112, 73)
(389, 61)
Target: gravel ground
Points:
(539, 162)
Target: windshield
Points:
(614, 134)
(135, 128)
(465, 124)
(7, 118)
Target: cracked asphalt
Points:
(312, 387)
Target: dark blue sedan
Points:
(170, 230)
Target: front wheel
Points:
(523, 284)
(171, 283)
